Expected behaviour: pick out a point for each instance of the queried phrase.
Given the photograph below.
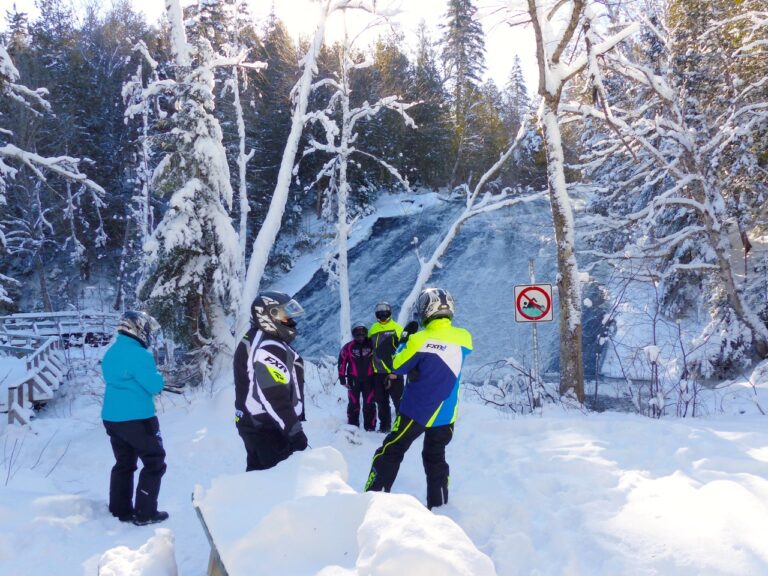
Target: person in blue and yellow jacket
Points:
(385, 335)
(433, 359)
(128, 412)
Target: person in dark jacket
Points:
(269, 383)
(356, 375)
(433, 359)
(385, 334)
(132, 381)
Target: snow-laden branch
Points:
(428, 266)
(500, 162)
(9, 75)
(580, 62)
(64, 166)
(367, 111)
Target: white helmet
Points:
(434, 303)
(138, 325)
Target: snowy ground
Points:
(560, 493)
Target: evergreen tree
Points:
(193, 282)
(430, 145)
(516, 100)
(463, 55)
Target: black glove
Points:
(413, 375)
(409, 329)
(298, 441)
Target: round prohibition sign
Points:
(533, 303)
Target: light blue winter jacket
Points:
(132, 380)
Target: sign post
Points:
(533, 304)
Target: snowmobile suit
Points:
(269, 399)
(433, 359)
(128, 412)
(385, 337)
(356, 374)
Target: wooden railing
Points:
(74, 328)
(46, 368)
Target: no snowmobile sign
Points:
(533, 303)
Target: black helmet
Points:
(359, 330)
(383, 310)
(275, 313)
(434, 303)
(138, 325)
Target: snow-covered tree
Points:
(339, 121)
(558, 26)
(29, 235)
(463, 55)
(517, 101)
(688, 139)
(265, 239)
(193, 283)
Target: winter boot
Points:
(153, 519)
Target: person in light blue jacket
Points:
(128, 412)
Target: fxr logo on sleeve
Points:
(276, 367)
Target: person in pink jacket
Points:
(356, 375)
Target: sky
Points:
(563, 491)
(502, 42)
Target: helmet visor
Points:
(383, 311)
(359, 332)
(288, 311)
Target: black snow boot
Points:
(153, 519)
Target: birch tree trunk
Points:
(345, 314)
(568, 285)
(242, 160)
(550, 47)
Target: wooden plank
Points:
(215, 564)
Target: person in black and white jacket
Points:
(269, 383)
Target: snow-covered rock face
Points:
(488, 257)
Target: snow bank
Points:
(155, 558)
(303, 518)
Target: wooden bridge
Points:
(39, 339)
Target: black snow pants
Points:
(133, 440)
(264, 446)
(361, 390)
(387, 459)
(384, 389)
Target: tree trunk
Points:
(44, 294)
(721, 245)
(119, 299)
(569, 289)
(345, 310)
